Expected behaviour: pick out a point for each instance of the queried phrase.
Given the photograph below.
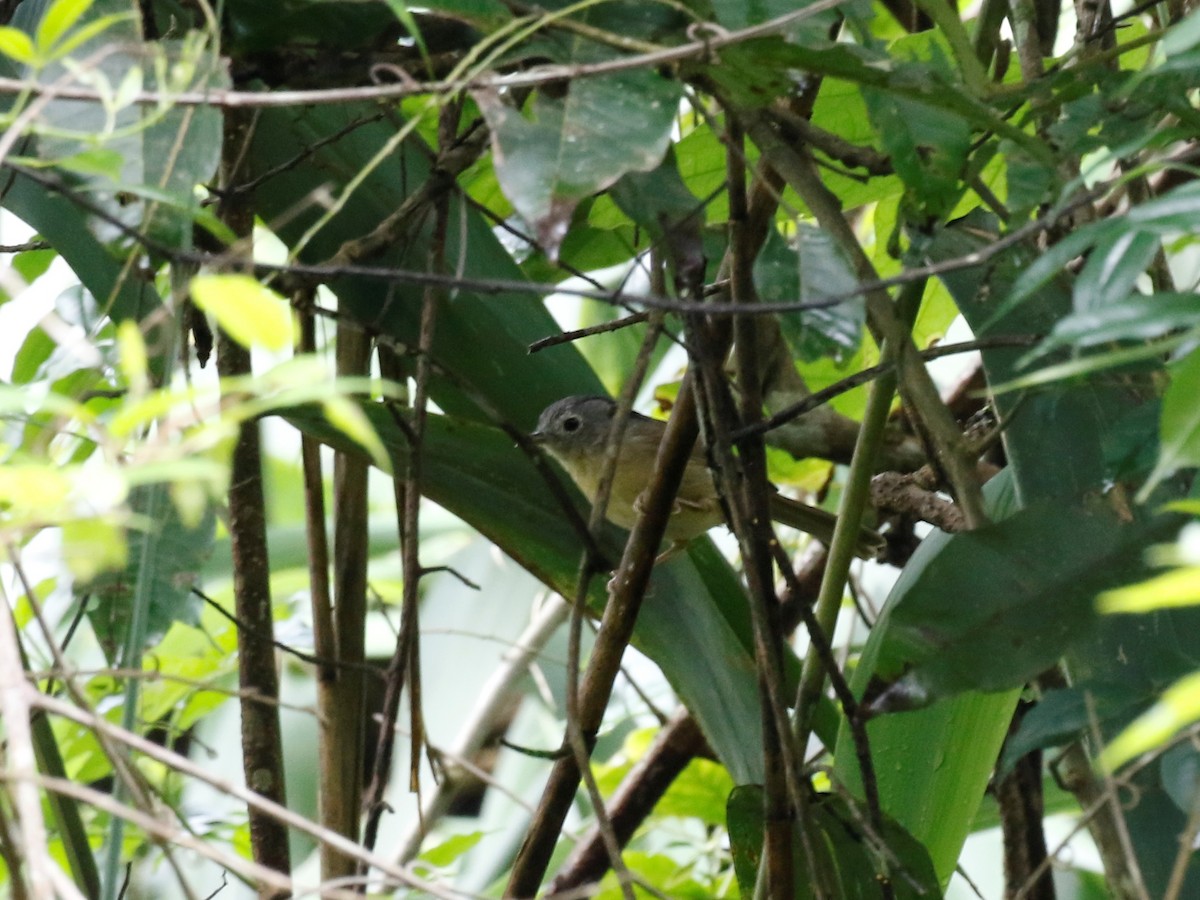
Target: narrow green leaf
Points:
(1178, 587)
(1178, 708)
(1113, 268)
(61, 15)
(1135, 317)
(1179, 432)
(402, 12)
(1183, 35)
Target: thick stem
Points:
(262, 741)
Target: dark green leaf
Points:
(744, 822)
(845, 862)
(1061, 716)
(166, 574)
(1026, 605)
(811, 273)
(572, 146)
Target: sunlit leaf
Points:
(1179, 587)
(61, 15)
(15, 43)
(248, 312)
(348, 416)
(132, 356)
(1180, 428)
(92, 546)
(1178, 708)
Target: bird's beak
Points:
(538, 437)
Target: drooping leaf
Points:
(812, 272)
(574, 145)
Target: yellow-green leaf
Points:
(245, 310)
(61, 15)
(1178, 707)
(28, 488)
(92, 546)
(15, 44)
(1179, 587)
(349, 418)
(134, 360)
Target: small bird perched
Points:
(574, 431)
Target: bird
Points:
(574, 431)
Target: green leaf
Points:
(1113, 268)
(1178, 587)
(1179, 432)
(744, 822)
(15, 44)
(452, 848)
(402, 12)
(1135, 317)
(572, 146)
(248, 312)
(61, 15)
(1178, 708)
(844, 864)
(164, 557)
(812, 272)
(1005, 636)
(1183, 35)
(700, 792)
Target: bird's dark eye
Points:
(571, 423)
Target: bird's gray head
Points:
(575, 422)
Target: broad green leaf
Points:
(811, 272)
(572, 146)
(1062, 716)
(845, 863)
(700, 792)
(164, 559)
(1027, 606)
(248, 312)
